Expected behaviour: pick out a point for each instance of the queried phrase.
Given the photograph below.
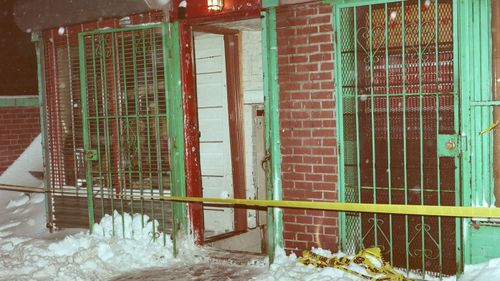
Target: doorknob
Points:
(448, 145)
(90, 154)
(451, 145)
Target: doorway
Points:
(230, 102)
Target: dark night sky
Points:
(17, 56)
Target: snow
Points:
(25, 208)
(17, 202)
(487, 271)
(135, 249)
(84, 256)
(393, 15)
(18, 172)
(287, 268)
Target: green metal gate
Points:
(132, 126)
(398, 128)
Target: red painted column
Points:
(191, 132)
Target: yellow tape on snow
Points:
(369, 259)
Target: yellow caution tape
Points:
(395, 209)
(490, 128)
(365, 259)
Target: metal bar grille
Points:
(397, 90)
(64, 137)
(125, 117)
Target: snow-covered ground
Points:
(82, 256)
(20, 213)
(29, 252)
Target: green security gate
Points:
(398, 128)
(132, 127)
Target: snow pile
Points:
(86, 257)
(138, 227)
(22, 200)
(19, 172)
(487, 271)
(23, 213)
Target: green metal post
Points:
(438, 164)
(97, 125)
(462, 89)
(358, 133)
(85, 125)
(340, 128)
(107, 138)
(405, 160)
(421, 130)
(171, 58)
(388, 125)
(271, 108)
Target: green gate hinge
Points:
(91, 154)
(448, 145)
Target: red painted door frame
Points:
(198, 16)
(191, 132)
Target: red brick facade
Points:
(307, 121)
(18, 127)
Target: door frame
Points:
(271, 106)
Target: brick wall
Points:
(18, 127)
(307, 120)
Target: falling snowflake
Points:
(393, 15)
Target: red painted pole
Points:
(191, 132)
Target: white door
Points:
(215, 148)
